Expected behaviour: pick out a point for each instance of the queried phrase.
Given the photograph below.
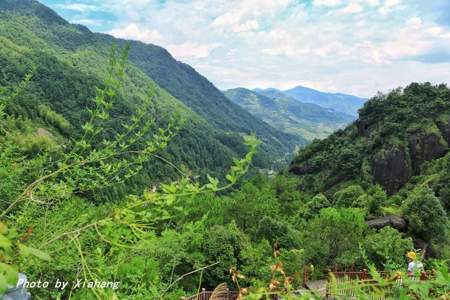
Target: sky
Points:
(358, 47)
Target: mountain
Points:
(270, 92)
(398, 140)
(393, 163)
(339, 102)
(307, 121)
(194, 90)
(36, 39)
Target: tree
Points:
(424, 213)
(333, 237)
(313, 207)
(378, 198)
(386, 248)
(348, 197)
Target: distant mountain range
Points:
(305, 120)
(339, 102)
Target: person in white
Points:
(414, 266)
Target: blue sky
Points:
(353, 46)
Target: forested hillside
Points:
(400, 143)
(305, 120)
(35, 39)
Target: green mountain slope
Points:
(194, 90)
(337, 101)
(34, 37)
(307, 121)
(66, 66)
(396, 139)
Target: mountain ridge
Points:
(340, 102)
(306, 120)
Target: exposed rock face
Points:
(305, 168)
(362, 126)
(393, 221)
(445, 129)
(392, 170)
(424, 147)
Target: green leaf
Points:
(26, 251)
(5, 243)
(230, 178)
(3, 284)
(10, 273)
(3, 228)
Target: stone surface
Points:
(391, 170)
(302, 169)
(425, 147)
(392, 221)
(363, 127)
(445, 130)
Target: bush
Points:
(333, 237)
(348, 197)
(424, 213)
(386, 249)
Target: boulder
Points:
(392, 221)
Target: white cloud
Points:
(388, 6)
(78, 7)
(415, 22)
(134, 32)
(227, 19)
(192, 50)
(373, 3)
(351, 8)
(286, 50)
(242, 16)
(327, 3)
(247, 26)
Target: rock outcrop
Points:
(303, 169)
(445, 130)
(392, 221)
(425, 147)
(391, 170)
(363, 127)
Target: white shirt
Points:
(414, 266)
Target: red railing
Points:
(342, 277)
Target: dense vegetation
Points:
(185, 227)
(83, 151)
(399, 142)
(305, 120)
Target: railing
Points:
(206, 295)
(342, 283)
